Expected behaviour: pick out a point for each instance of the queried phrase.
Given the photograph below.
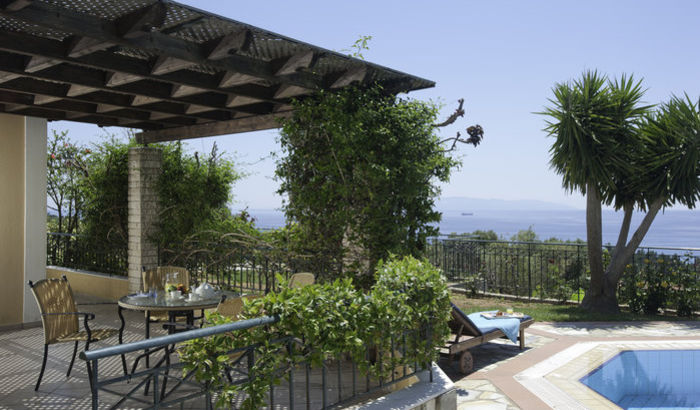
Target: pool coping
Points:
(508, 376)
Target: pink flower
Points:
(53, 156)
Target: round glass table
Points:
(158, 302)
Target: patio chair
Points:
(59, 317)
(466, 334)
(301, 279)
(153, 279)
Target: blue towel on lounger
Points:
(509, 326)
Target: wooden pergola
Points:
(171, 70)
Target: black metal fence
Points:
(542, 270)
(242, 268)
(168, 385)
(80, 252)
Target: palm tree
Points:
(618, 152)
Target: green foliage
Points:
(193, 193)
(597, 141)
(673, 155)
(548, 312)
(360, 45)
(65, 163)
(661, 281)
(334, 320)
(489, 235)
(525, 235)
(685, 289)
(360, 173)
(106, 186)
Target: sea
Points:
(672, 228)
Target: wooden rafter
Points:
(121, 70)
(296, 62)
(227, 45)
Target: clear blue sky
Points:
(501, 56)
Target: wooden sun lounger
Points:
(466, 335)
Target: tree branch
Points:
(476, 134)
(624, 229)
(459, 112)
(615, 270)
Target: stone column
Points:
(144, 170)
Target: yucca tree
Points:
(618, 152)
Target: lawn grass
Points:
(546, 312)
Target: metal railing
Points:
(167, 384)
(540, 270)
(242, 268)
(80, 252)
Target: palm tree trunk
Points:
(598, 298)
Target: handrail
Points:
(447, 238)
(176, 338)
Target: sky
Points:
(502, 57)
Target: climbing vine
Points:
(360, 171)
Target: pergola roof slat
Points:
(172, 70)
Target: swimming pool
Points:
(636, 379)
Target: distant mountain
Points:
(464, 204)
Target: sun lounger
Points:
(467, 334)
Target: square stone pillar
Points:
(144, 169)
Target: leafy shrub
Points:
(333, 320)
(645, 287)
(685, 289)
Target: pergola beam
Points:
(238, 125)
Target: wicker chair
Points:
(59, 317)
(301, 279)
(233, 307)
(153, 279)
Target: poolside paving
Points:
(502, 377)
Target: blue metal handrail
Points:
(176, 338)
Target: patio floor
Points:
(545, 374)
(21, 352)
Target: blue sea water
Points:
(645, 379)
(673, 228)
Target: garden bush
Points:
(333, 320)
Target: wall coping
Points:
(415, 395)
(88, 272)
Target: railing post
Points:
(94, 384)
(529, 271)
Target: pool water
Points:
(649, 379)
